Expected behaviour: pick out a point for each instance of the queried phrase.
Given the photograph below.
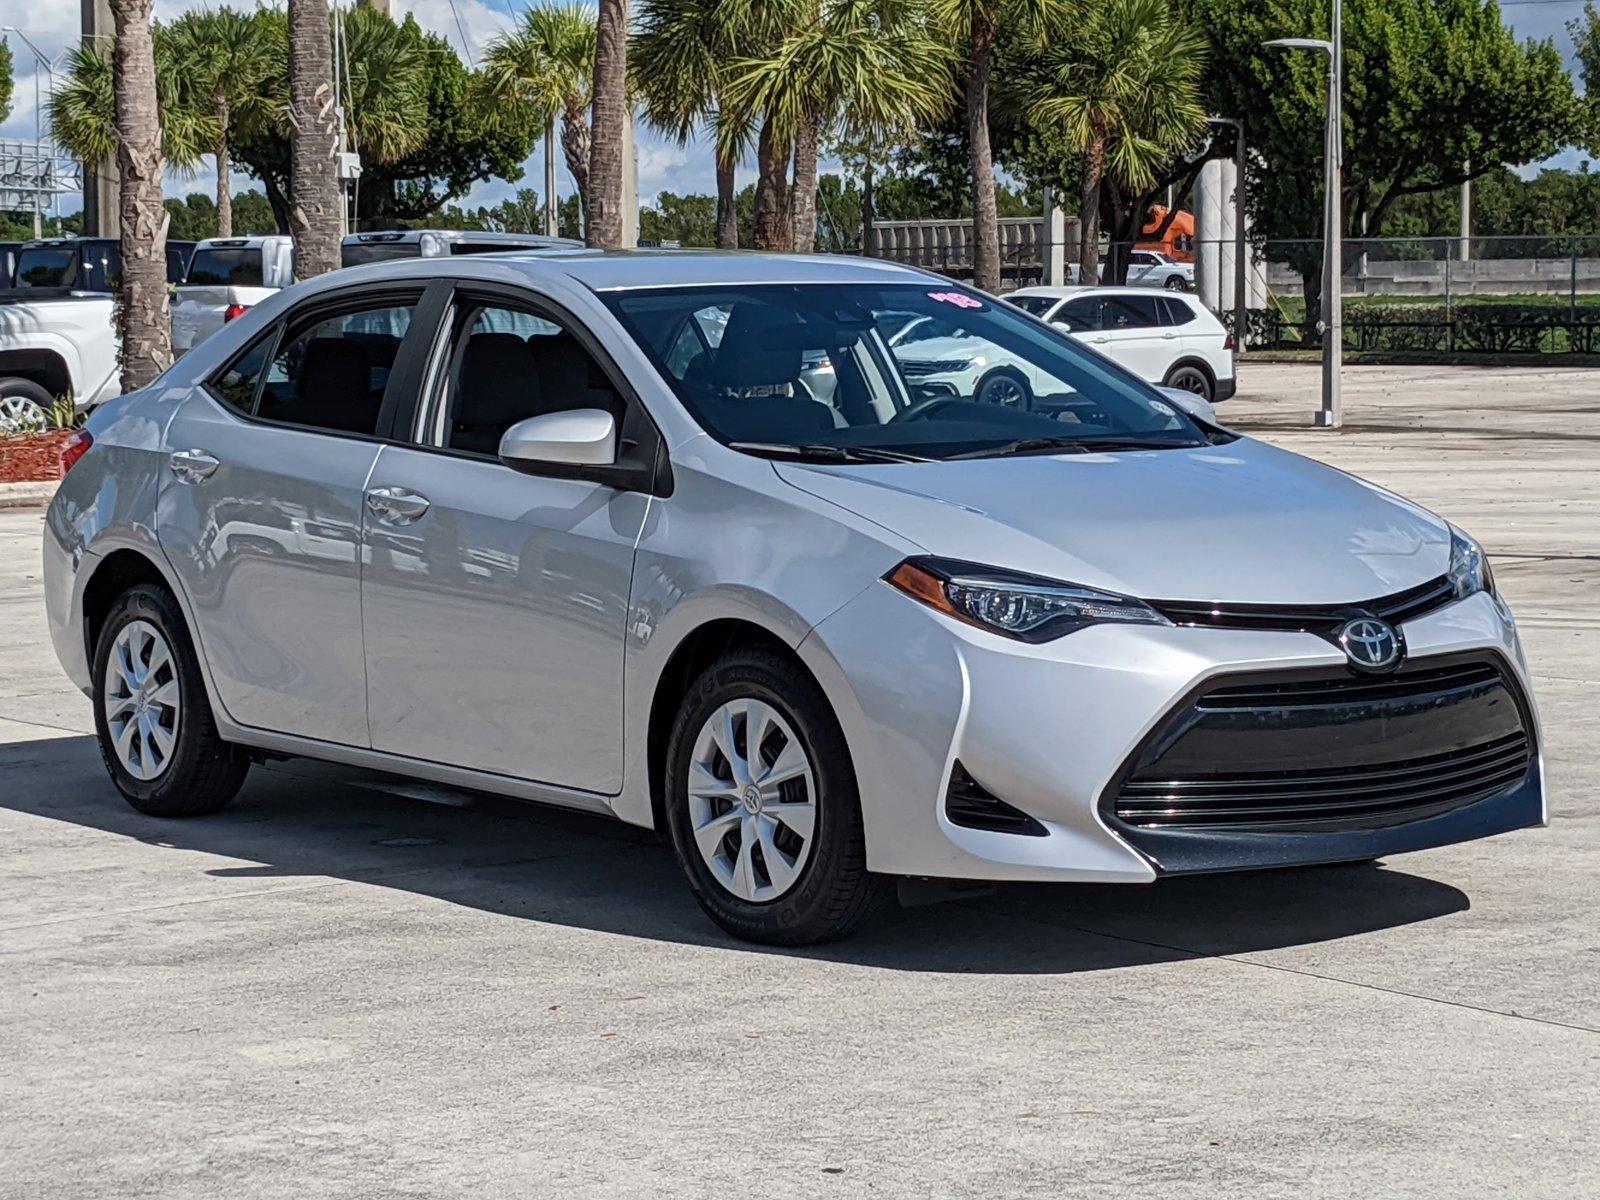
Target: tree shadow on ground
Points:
(303, 820)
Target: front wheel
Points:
(1177, 283)
(1004, 387)
(24, 407)
(763, 807)
(157, 735)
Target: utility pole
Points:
(1466, 214)
(101, 195)
(552, 213)
(1240, 276)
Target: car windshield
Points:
(866, 371)
(238, 267)
(1037, 305)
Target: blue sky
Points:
(53, 26)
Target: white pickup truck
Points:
(58, 335)
(226, 276)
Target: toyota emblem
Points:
(1370, 644)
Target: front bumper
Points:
(1051, 729)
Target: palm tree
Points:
(971, 27)
(546, 68)
(385, 87)
(680, 60)
(224, 62)
(83, 108)
(609, 116)
(142, 312)
(1123, 85)
(861, 69)
(314, 192)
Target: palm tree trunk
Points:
(610, 111)
(727, 204)
(575, 147)
(772, 230)
(1094, 169)
(219, 106)
(142, 313)
(804, 208)
(980, 157)
(314, 140)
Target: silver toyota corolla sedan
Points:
(681, 539)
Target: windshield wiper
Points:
(1074, 445)
(818, 451)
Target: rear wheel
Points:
(763, 807)
(157, 735)
(1190, 378)
(24, 407)
(1177, 283)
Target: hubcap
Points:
(142, 700)
(1190, 381)
(752, 800)
(1005, 391)
(19, 415)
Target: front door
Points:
(261, 511)
(494, 602)
(1132, 323)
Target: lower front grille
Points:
(1373, 794)
(1328, 749)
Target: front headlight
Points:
(1012, 604)
(1469, 571)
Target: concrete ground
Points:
(335, 989)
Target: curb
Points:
(27, 495)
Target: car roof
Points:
(1066, 291)
(618, 270)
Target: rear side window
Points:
(1175, 312)
(230, 267)
(239, 379)
(48, 266)
(332, 374)
(1131, 312)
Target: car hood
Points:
(1243, 522)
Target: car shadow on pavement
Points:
(300, 823)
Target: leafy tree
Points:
(863, 69)
(692, 220)
(195, 216)
(7, 79)
(1430, 85)
(541, 72)
(83, 109)
(223, 65)
(1120, 82)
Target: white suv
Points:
(1164, 337)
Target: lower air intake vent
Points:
(970, 804)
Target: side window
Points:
(332, 374)
(237, 383)
(509, 365)
(1175, 312)
(1131, 312)
(1081, 313)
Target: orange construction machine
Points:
(1177, 242)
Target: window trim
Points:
(297, 320)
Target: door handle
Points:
(1099, 340)
(1168, 336)
(396, 506)
(192, 466)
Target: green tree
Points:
(861, 69)
(83, 108)
(692, 220)
(1430, 85)
(1121, 84)
(543, 72)
(7, 78)
(223, 65)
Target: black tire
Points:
(835, 893)
(1191, 378)
(14, 387)
(1005, 387)
(203, 772)
(1176, 283)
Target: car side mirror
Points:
(1195, 406)
(579, 438)
(1065, 325)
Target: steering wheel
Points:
(920, 410)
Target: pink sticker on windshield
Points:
(959, 299)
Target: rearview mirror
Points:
(1195, 406)
(581, 437)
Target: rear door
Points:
(260, 510)
(1132, 326)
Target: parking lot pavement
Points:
(341, 988)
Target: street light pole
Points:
(1331, 416)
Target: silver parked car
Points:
(576, 529)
